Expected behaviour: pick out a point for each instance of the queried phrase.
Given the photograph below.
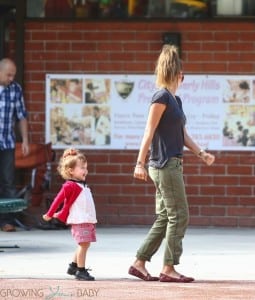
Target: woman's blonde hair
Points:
(168, 66)
(68, 161)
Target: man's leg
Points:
(7, 184)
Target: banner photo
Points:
(110, 111)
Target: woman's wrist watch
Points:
(140, 164)
(200, 153)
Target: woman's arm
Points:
(192, 146)
(154, 116)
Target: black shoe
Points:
(71, 270)
(84, 275)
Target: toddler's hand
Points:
(46, 218)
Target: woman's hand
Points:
(140, 172)
(208, 158)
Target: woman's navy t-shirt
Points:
(168, 139)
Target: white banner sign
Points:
(110, 111)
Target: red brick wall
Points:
(221, 195)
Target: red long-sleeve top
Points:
(66, 196)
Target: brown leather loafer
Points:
(8, 228)
(182, 278)
(133, 271)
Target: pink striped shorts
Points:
(85, 232)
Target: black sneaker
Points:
(71, 270)
(84, 275)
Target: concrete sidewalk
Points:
(210, 255)
(214, 254)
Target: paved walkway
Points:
(221, 260)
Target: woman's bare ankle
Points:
(168, 269)
(140, 265)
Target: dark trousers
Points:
(7, 179)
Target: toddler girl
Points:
(75, 206)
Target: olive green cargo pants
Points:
(172, 213)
